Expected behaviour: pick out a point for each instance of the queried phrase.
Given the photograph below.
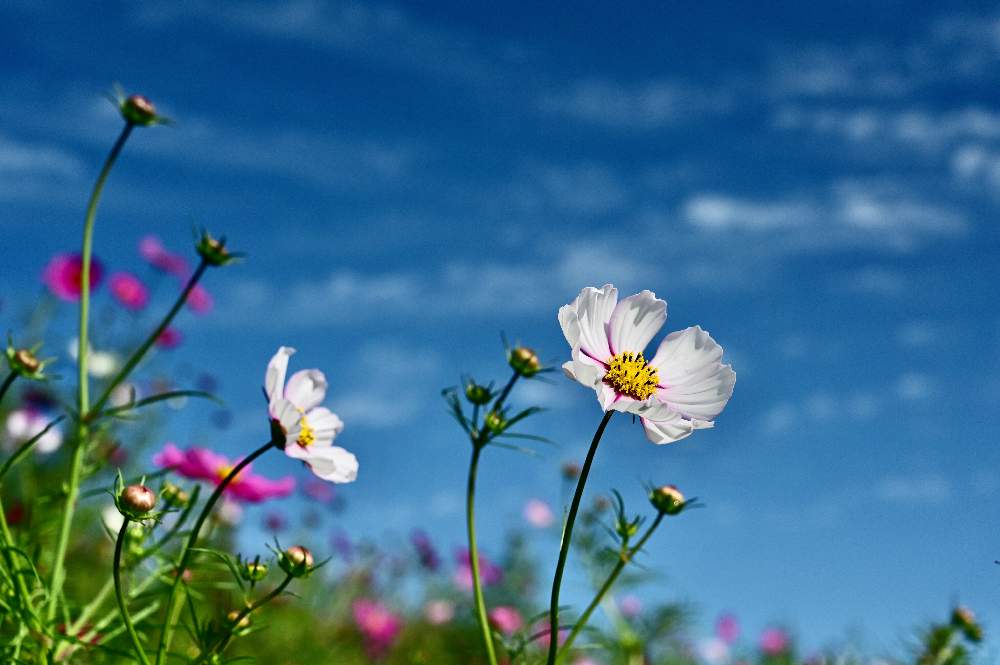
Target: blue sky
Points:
(816, 185)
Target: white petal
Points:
(325, 424)
(331, 463)
(635, 321)
(606, 396)
(584, 320)
(584, 370)
(289, 417)
(306, 389)
(650, 408)
(668, 430)
(274, 378)
(694, 381)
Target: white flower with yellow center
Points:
(683, 387)
(309, 428)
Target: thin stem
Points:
(624, 557)
(120, 595)
(7, 383)
(567, 536)
(477, 584)
(166, 634)
(505, 392)
(144, 348)
(83, 396)
(8, 556)
(244, 613)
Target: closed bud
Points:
(570, 471)
(25, 363)
(238, 622)
(174, 495)
(477, 394)
(495, 422)
(213, 251)
(138, 110)
(524, 361)
(965, 620)
(626, 529)
(296, 561)
(667, 499)
(253, 571)
(136, 501)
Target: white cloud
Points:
(918, 334)
(717, 212)
(914, 489)
(873, 280)
(25, 158)
(914, 386)
(643, 106)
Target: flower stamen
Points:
(306, 437)
(629, 374)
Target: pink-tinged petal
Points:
(255, 489)
(171, 455)
(330, 463)
(674, 428)
(584, 320)
(635, 321)
(274, 378)
(203, 464)
(128, 290)
(693, 379)
(325, 424)
(649, 408)
(607, 397)
(151, 249)
(64, 276)
(584, 370)
(199, 300)
(306, 389)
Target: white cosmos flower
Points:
(309, 428)
(25, 424)
(683, 387)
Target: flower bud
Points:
(138, 110)
(213, 251)
(626, 529)
(495, 422)
(667, 499)
(243, 622)
(136, 501)
(174, 495)
(570, 471)
(296, 561)
(253, 571)
(25, 363)
(477, 394)
(524, 361)
(965, 620)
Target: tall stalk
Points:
(477, 584)
(120, 595)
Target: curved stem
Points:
(477, 584)
(83, 396)
(567, 535)
(144, 348)
(7, 383)
(624, 557)
(166, 634)
(505, 392)
(120, 595)
(244, 613)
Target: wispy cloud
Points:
(919, 488)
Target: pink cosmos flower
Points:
(506, 619)
(64, 273)
(170, 338)
(489, 572)
(538, 514)
(151, 249)
(438, 612)
(630, 606)
(309, 428)
(774, 641)
(379, 625)
(128, 290)
(683, 387)
(199, 300)
(727, 628)
(545, 633)
(204, 464)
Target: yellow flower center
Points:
(224, 471)
(630, 374)
(306, 436)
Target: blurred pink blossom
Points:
(204, 464)
(377, 623)
(714, 651)
(151, 249)
(506, 619)
(199, 300)
(438, 612)
(318, 490)
(774, 641)
(170, 338)
(630, 606)
(538, 514)
(64, 273)
(727, 628)
(275, 521)
(489, 572)
(128, 290)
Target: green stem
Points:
(83, 397)
(120, 595)
(244, 613)
(567, 536)
(505, 392)
(477, 585)
(7, 383)
(144, 348)
(166, 634)
(624, 557)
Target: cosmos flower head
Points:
(63, 275)
(538, 514)
(377, 623)
(24, 424)
(153, 251)
(199, 300)
(308, 428)
(681, 388)
(489, 572)
(128, 290)
(506, 619)
(774, 641)
(204, 464)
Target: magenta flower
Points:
(489, 572)
(170, 338)
(379, 625)
(199, 301)
(774, 641)
(128, 290)
(204, 464)
(151, 249)
(64, 273)
(727, 628)
(506, 619)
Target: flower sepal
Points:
(213, 250)
(137, 110)
(297, 561)
(25, 362)
(669, 500)
(136, 502)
